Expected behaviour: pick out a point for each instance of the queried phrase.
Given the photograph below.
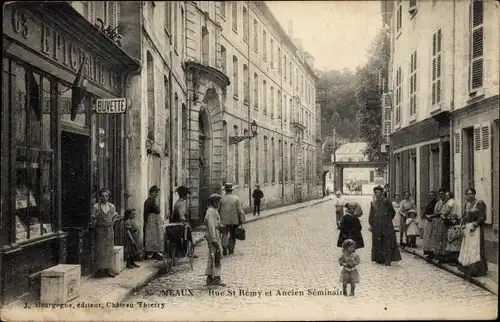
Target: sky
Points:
(337, 33)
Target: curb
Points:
(122, 294)
(472, 280)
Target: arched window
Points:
(273, 164)
(264, 96)
(264, 44)
(183, 33)
(247, 158)
(168, 16)
(266, 165)
(235, 15)
(176, 23)
(246, 85)
(223, 59)
(151, 95)
(272, 52)
(235, 72)
(279, 60)
(290, 70)
(222, 8)
(284, 66)
(236, 158)
(290, 108)
(272, 101)
(255, 90)
(245, 24)
(205, 47)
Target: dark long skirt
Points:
(439, 236)
(480, 268)
(384, 247)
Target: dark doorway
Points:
(76, 198)
(445, 175)
(468, 158)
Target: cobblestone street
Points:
(297, 252)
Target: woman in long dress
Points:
(472, 222)
(439, 228)
(427, 219)
(103, 218)
(406, 205)
(153, 231)
(396, 204)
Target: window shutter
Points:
(486, 165)
(457, 142)
(91, 12)
(476, 16)
(111, 12)
(457, 171)
(477, 138)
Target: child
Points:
(131, 247)
(349, 261)
(213, 237)
(454, 241)
(412, 230)
(350, 227)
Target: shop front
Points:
(57, 150)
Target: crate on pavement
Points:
(60, 284)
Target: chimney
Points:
(290, 29)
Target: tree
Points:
(368, 86)
(336, 94)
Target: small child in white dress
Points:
(349, 261)
(412, 230)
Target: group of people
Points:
(448, 234)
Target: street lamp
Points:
(238, 138)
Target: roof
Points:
(353, 148)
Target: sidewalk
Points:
(488, 282)
(116, 289)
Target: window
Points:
(399, 16)
(413, 83)
(279, 60)
(284, 66)
(278, 97)
(205, 47)
(266, 169)
(236, 159)
(398, 95)
(264, 96)
(290, 106)
(257, 161)
(292, 162)
(264, 44)
(151, 96)
(255, 36)
(256, 91)
(235, 76)
(280, 168)
(296, 79)
(111, 13)
(176, 24)
(184, 137)
(413, 7)
(168, 17)
(245, 24)
(436, 67)
(272, 53)
(286, 162)
(476, 71)
(290, 69)
(246, 85)
(183, 35)
(234, 8)
(273, 165)
(223, 59)
(175, 133)
(247, 159)
(302, 86)
(223, 8)
(28, 94)
(272, 101)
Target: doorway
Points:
(76, 198)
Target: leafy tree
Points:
(335, 92)
(368, 87)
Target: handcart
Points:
(177, 242)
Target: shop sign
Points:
(58, 47)
(111, 105)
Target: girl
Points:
(213, 237)
(406, 205)
(349, 260)
(396, 204)
(412, 230)
(131, 245)
(350, 227)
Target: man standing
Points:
(257, 196)
(384, 246)
(232, 215)
(180, 213)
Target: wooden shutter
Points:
(478, 163)
(457, 171)
(485, 163)
(91, 11)
(477, 44)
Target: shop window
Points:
(31, 101)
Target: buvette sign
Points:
(111, 106)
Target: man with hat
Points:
(257, 197)
(232, 215)
(384, 246)
(213, 236)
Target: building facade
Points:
(443, 96)
(57, 150)
(354, 152)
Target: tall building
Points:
(443, 96)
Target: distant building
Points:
(354, 152)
